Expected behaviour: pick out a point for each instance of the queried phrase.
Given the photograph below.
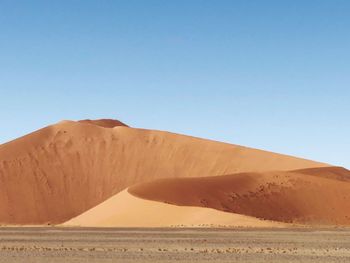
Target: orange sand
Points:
(315, 197)
(125, 210)
(61, 171)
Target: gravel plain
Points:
(55, 244)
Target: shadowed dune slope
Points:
(319, 196)
(62, 170)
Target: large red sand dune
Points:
(319, 196)
(62, 170)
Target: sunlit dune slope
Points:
(62, 170)
(126, 210)
(319, 196)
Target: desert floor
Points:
(32, 244)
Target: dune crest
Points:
(106, 123)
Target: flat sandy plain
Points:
(52, 244)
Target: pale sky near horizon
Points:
(273, 75)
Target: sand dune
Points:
(63, 170)
(125, 210)
(319, 196)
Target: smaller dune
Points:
(126, 210)
(317, 196)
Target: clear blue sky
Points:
(267, 74)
